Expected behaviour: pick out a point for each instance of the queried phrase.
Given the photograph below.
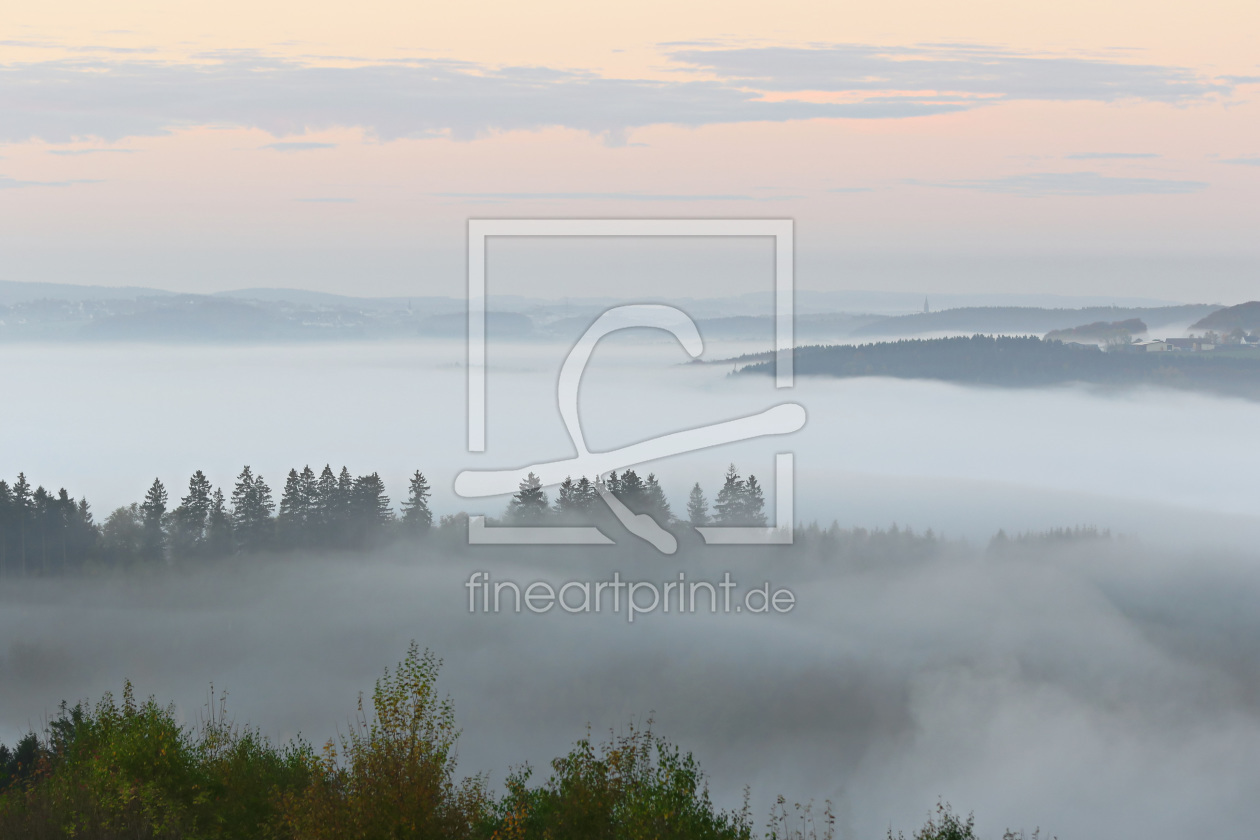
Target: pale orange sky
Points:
(194, 195)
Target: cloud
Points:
(112, 98)
(1075, 183)
(14, 184)
(968, 70)
(1111, 156)
(62, 100)
(1243, 161)
(77, 48)
(298, 146)
(608, 196)
(69, 152)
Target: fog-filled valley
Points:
(1095, 683)
(1092, 686)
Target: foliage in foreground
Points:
(113, 770)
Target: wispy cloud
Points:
(75, 152)
(62, 100)
(1075, 184)
(1111, 156)
(298, 146)
(609, 196)
(114, 98)
(1250, 160)
(961, 69)
(15, 184)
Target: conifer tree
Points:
(84, 535)
(630, 491)
(697, 507)
(325, 502)
(292, 518)
(188, 528)
(416, 514)
(370, 504)
(153, 512)
(22, 513)
(310, 494)
(339, 508)
(529, 503)
(567, 497)
(654, 502)
(219, 538)
(585, 494)
(42, 512)
(252, 507)
(754, 508)
(729, 507)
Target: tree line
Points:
(42, 533)
(740, 501)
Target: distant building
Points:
(1196, 345)
(1154, 346)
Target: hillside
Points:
(1027, 319)
(1244, 316)
(1027, 362)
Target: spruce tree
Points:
(371, 508)
(153, 512)
(567, 498)
(754, 512)
(655, 503)
(697, 507)
(252, 507)
(188, 530)
(729, 507)
(291, 520)
(585, 495)
(42, 512)
(631, 492)
(325, 502)
(340, 509)
(84, 535)
(416, 514)
(220, 541)
(22, 513)
(529, 504)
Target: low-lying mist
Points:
(1095, 687)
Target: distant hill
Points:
(1100, 332)
(1023, 362)
(194, 319)
(13, 292)
(1030, 320)
(1244, 316)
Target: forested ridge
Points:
(1011, 361)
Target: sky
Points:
(1104, 148)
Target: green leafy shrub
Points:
(636, 786)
